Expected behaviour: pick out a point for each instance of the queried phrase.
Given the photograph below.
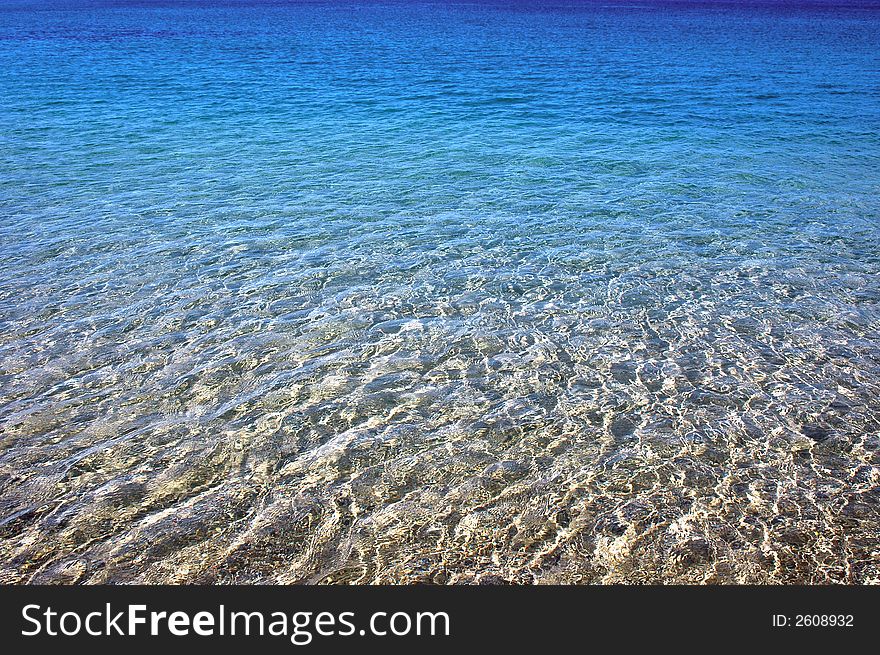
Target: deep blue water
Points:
(435, 291)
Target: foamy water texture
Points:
(359, 292)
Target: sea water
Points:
(528, 291)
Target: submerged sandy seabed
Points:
(567, 421)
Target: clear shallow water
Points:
(340, 292)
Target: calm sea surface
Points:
(439, 292)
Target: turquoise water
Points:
(439, 292)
